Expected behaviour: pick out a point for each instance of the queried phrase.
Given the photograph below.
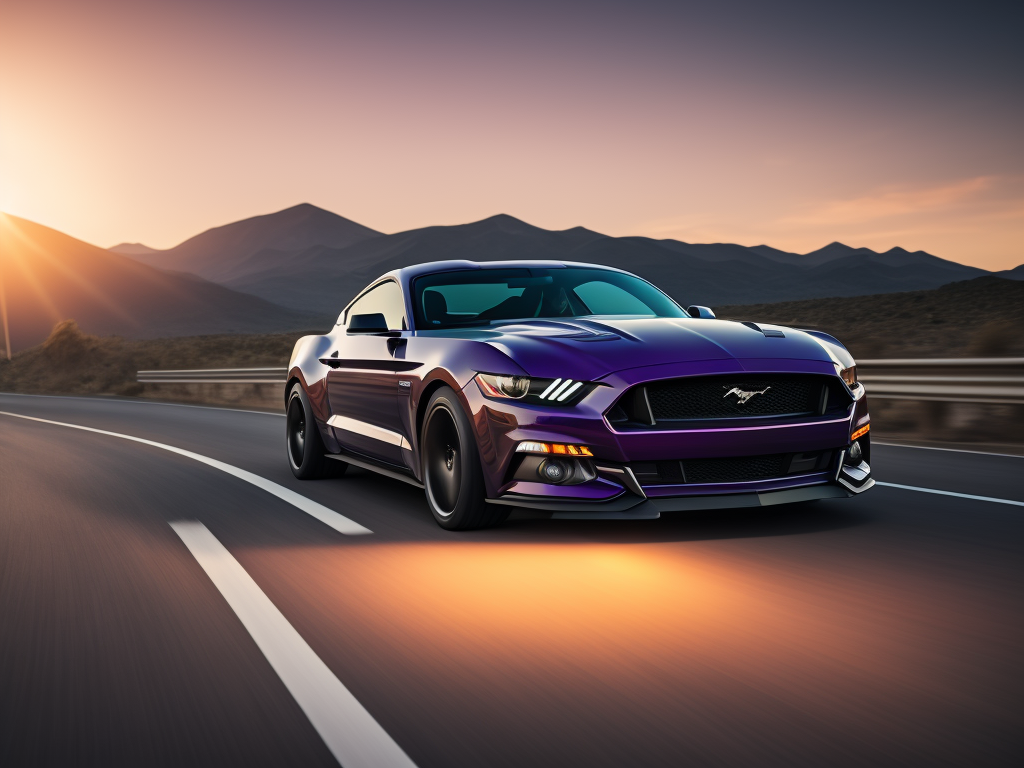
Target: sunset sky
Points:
(791, 124)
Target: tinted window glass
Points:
(606, 299)
(386, 299)
(467, 298)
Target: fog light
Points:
(855, 454)
(553, 471)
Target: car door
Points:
(365, 386)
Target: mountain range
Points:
(253, 244)
(47, 276)
(297, 268)
(284, 259)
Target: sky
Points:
(792, 124)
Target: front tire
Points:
(307, 456)
(452, 477)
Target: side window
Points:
(386, 299)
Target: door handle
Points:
(394, 344)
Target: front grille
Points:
(741, 469)
(733, 469)
(736, 396)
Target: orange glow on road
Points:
(619, 608)
(587, 636)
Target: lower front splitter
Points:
(628, 506)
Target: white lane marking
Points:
(950, 493)
(950, 450)
(141, 401)
(340, 523)
(348, 730)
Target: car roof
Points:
(406, 274)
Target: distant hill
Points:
(1017, 273)
(133, 249)
(48, 277)
(324, 278)
(228, 252)
(980, 317)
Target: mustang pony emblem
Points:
(742, 396)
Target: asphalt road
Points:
(885, 630)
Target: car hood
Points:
(597, 347)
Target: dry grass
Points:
(981, 317)
(71, 362)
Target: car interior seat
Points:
(435, 308)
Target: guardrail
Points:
(215, 376)
(998, 380)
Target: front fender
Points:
(305, 366)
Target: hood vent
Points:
(771, 333)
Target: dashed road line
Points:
(348, 730)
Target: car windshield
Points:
(475, 297)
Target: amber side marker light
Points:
(860, 432)
(563, 449)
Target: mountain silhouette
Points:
(133, 249)
(1017, 273)
(225, 253)
(323, 278)
(48, 277)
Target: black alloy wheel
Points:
(296, 432)
(443, 462)
(307, 456)
(452, 475)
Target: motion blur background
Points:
(195, 185)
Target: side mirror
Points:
(373, 323)
(703, 313)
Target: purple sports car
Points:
(576, 389)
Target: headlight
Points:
(535, 391)
(849, 375)
(514, 387)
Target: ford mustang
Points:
(579, 390)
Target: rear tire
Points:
(452, 476)
(307, 456)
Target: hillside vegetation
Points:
(72, 362)
(983, 317)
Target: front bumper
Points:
(640, 503)
(617, 494)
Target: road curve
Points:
(883, 630)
